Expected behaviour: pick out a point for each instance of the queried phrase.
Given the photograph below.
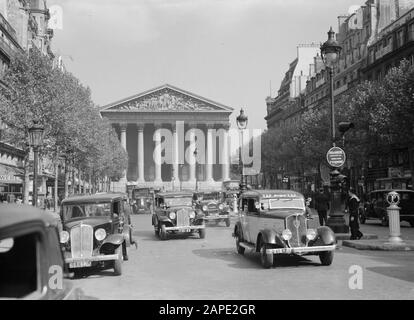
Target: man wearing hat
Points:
(353, 206)
(322, 206)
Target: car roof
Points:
(175, 194)
(103, 197)
(390, 190)
(261, 193)
(13, 214)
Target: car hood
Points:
(207, 202)
(180, 208)
(283, 214)
(93, 222)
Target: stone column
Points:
(225, 159)
(192, 148)
(210, 154)
(157, 155)
(176, 159)
(123, 127)
(140, 159)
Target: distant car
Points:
(31, 260)
(375, 208)
(213, 206)
(274, 222)
(142, 200)
(174, 213)
(231, 191)
(96, 231)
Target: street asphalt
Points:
(210, 269)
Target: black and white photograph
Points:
(207, 155)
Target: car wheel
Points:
(240, 249)
(118, 263)
(384, 221)
(163, 232)
(326, 258)
(202, 233)
(228, 223)
(266, 258)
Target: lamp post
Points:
(195, 163)
(35, 141)
(330, 52)
(242, 121)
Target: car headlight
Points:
(64, 237)
(205, 208)
(221, 206)
(192, 215)
(172, 215)
(287, 235)
(311, 234)
(100, 234)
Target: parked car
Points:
(375, 208)
(231, 190)
(213, 206)
(274, 222)
(31, 260)
(142, 200)
(174, 213)
(96, 231)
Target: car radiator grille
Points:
(212, 209)
(297, 225)
(81, 239)
(183, 218)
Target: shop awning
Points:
(10, 174)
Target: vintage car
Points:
(213, 206)
(375, 208)
(96, 231)
(142, 200)
(174, 213)
(274, 222)
(231, 191)
(31, 260)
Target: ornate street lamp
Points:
(195, 160)
(35, 141)
(330, 52)
(242, 121)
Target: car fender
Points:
(238, 228)
(270, 237)
(325, 236)
(114, 239)
(163, 219)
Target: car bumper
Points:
(185, 228)
(301, 250)
(105, 257)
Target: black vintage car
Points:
(375, 208)
(231, 191)
(174, 213)
(31, 260)
(213, 206)
(96, 231)
(142, 200)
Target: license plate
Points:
(80, 264)
(186, 230)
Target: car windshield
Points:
(283, 203)
(86, 210)
(175, 202)
(231, 185)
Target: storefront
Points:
(11, 185)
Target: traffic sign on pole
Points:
(336, 157)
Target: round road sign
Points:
(336, 157)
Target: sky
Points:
(234, 52)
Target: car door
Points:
(252, 219)
(243, 218)
(116, 215)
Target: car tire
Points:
(240, 249)
(163, 232)
(202, 233)
(228, 223)
(118, 263)
(266, 258)
(326, 258)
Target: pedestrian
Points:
(353, 207)
(322, 206)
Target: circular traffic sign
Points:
(336, 157)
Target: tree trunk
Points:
(56, 186)
(90, 183)
(66, 179)
(26, 183)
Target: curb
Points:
(379, 245)
(346, 236)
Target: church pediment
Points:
(166, 99)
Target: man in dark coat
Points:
(322, 206)
(353, 207)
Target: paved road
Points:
(211, 269)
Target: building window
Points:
(400, 38)
(411, 32)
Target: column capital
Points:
(123, 126)
(226, 126)
(140, 126)
(193, 125)
(210, 126)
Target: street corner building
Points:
(137, 119)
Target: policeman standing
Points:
(353, 206)
(322, 206)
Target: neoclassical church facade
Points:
(175, 139)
